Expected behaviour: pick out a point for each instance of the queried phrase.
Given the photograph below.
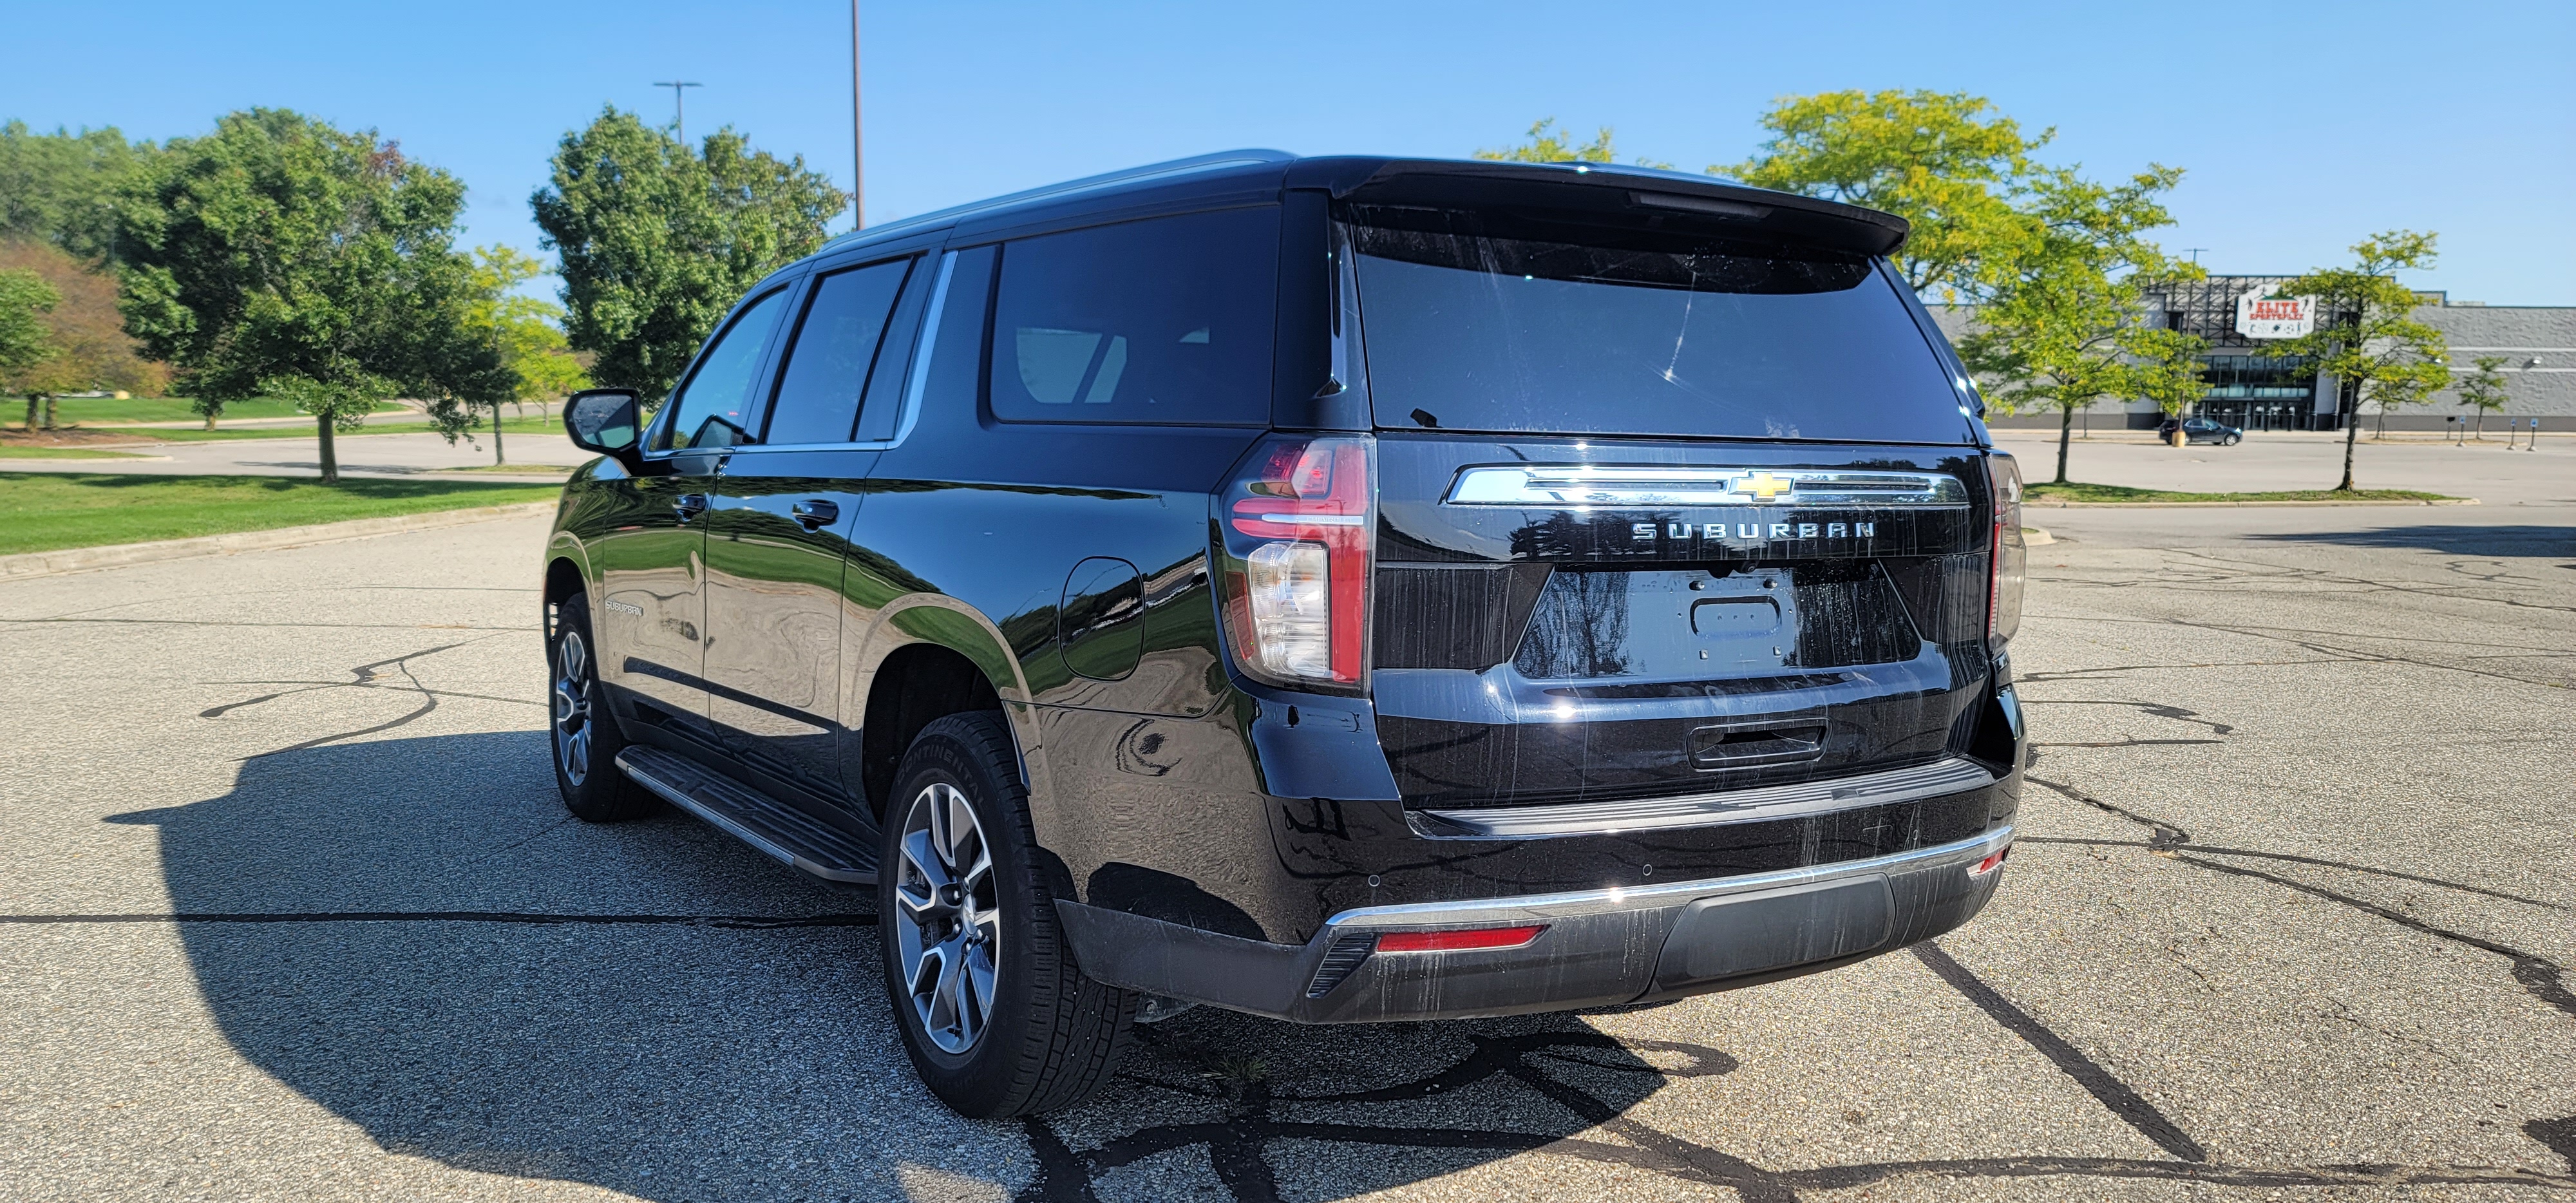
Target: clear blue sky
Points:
(2304, 126)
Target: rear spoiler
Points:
(1669, 199)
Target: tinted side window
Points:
(715, 404)
(954, 340)
(832, 350)
(1167, 320)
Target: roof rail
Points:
(1195, 163)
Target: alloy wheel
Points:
(572, 707)
(950, 929)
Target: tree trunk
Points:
(31, 413)
(210, 418)
(2065, 432)
(2481, 435)
(330, 454)
(2351, 434)
(49, 411)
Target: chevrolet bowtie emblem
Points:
(1761, 486)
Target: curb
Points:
(2195, 505)
(82, 559)
(2036, 536)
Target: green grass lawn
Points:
(193, 434)
(2123, 493)
(165, 409)
(52, 510)
(14, 451)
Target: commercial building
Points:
(2245, 387)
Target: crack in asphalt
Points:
(2119, 1097)
(2539, 976)
(364, 676)
(1238, 1145)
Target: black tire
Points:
(2233, 440)
(1048, 1036)
(581, 734)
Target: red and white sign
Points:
(2259, 316)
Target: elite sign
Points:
(2259, 316)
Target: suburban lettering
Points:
(1643, 530)
(1748, 530)
(1779, 530)
(1836, 530)
(1865, 530)
(1678, 530)
(1806, 530)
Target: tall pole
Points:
(858, 148)
(859, 158)
(679, 106)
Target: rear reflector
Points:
(1458, 939)
(1991, 863)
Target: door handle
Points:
(689, 505)
(815, 515)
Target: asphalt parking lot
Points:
(290, 910)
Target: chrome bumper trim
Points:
(1954, 775)
(1503, 912)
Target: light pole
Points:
(679, 104)
(858, 156)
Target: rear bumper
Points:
(1598, 947)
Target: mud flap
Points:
(1743, 934)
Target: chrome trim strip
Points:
(929, 337)
(1950, 776)
(1504, 911)
(1548, 486)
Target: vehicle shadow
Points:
(411, 934)
(2464, 540)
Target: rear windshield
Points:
(1482, 322)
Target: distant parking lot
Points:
(292, 910)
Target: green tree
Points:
(2374, 343)
(1548, 144)
(2484, 389)
(92, 350)
(2064, 327)
(2165, 368)
(657, 240)
(526, 334)
(61, 187)
(25, 341)
(1945, 161)
(279, 256)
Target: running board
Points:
(777, 830)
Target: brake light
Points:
(1299, 528)
(2007, 559)
(1458, 940)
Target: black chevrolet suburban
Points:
(1340, 589)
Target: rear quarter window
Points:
(1164, 321)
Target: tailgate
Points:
(1578, 620)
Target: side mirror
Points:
(606, 421)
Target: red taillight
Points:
(1991, 863)
(1458, 939)
(1298, 538)
(2007, 557)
